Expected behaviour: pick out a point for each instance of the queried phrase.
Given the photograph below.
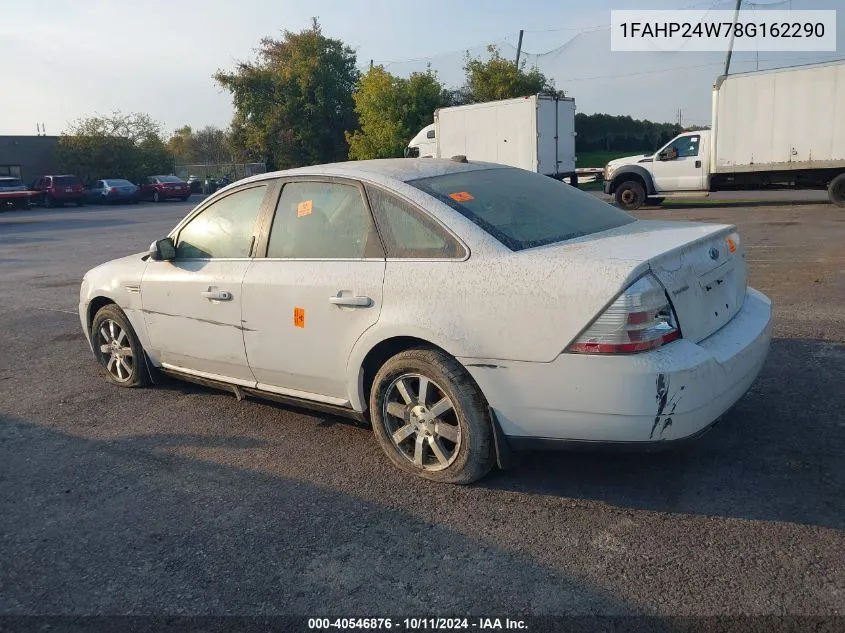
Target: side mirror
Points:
(163, 250)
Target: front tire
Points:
(118, 349)
(630, 195)
(836, 191)
(431, 419)
(156, 197)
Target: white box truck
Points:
(772, 129)
(536, 133)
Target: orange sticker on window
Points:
(461, 196)
(304, 208)
(731, 245)
(299, 317)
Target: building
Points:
(28, 157)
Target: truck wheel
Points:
(655, 201)
(630, 195)
(431, 419)
(836, 191)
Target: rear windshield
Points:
(10, 182)
(169, 179)
(66, 181)
(118, 183)
(522, 209)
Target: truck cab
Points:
(424, 144)
(679, 166)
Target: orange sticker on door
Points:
(461, 196)
(299, 317)
(304, 208)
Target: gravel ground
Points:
(182, 500)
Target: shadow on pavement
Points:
(132, 526)
(704, 203)
(778, 455)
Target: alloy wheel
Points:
(115, 350)
(422, 422)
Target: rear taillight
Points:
(640, 319)
(113, 189)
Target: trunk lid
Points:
(705, 279)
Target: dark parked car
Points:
(158, 188)
(56, 190)
(112, 190)
(195, 184)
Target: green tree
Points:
(391, 110)
(182, 145)
(293, 103)
(114, 145)
(500, 78)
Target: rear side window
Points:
(522, 209)
(67, 181)
(408, 233)
(322, 220)
(10, 182)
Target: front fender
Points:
(625, 173)
(117, 282)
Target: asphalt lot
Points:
(182, 500)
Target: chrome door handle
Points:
(361, 302)
(217, 295)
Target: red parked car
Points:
(158, 188)
(56, 190)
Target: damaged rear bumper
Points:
(673, 393)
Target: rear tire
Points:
(630, 195)
(443, 434)
(80, 203)
(49, 202)
(836, 191)
(118, 349)
(183, 198)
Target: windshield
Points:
(522, 209)
(118, 183)
(67, 181)
(169, 179)
(10, 182)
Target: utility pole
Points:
(731, 43)
(519, 47)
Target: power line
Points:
(664, 70)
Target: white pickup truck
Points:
(775, 129)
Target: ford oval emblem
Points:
(714, 254)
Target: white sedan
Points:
(467, 310)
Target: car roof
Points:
(401, 169)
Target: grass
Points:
(601, 158)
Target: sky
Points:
(67, 59)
